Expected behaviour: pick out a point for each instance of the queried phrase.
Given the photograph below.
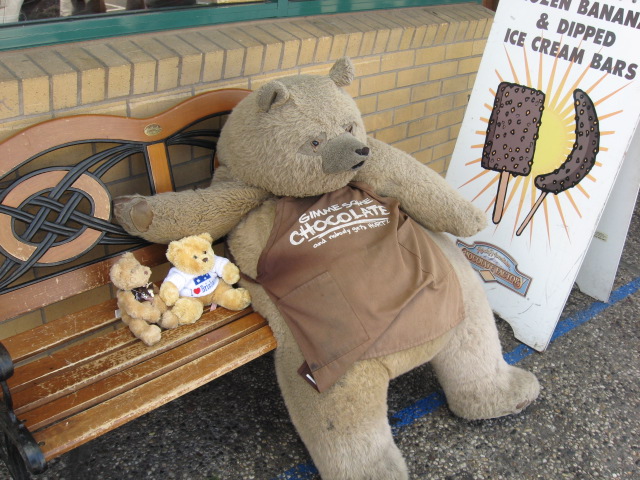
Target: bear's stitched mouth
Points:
(357, 165)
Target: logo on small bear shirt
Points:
(198, 281)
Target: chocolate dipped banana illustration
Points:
(511, 136)
(579, 162)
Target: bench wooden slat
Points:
(112, 360)
(126, 380)
(91, 423)
(60, 331)
(70, 283)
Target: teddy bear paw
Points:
(150, 336)
(169, 320)
(187, 311)
(513, 390)
(236, 299)
(133, 213)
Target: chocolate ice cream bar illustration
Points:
(511, 136)
(579, 162)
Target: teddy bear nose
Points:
(205, 259)
(364, 151)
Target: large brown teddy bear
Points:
(342, 234)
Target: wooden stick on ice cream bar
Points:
(511, 136)
(579, 162)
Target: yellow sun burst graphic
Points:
(555, 145)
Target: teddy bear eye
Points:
(195, 256)
(349, 128)
(315, 143)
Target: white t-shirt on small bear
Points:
(197, 285)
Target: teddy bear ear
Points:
(342, 73)
(206, 236)
(272, 95)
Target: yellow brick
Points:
(35, 94)
(151, 105)
(392, 134)
(478, 47)
(430, 55)
(408, 145)
(394, 98)
(454, 131)
(444, 149)
(118, 69)
(353, 44)
(378, 121)
(424, 92)
(10, 105)
(92, 73)
(368, 43)
(338, 46)
(409, 113)
(259, 80)
(354, 88)
(435, 137)
(461, 99)
(413, 76)
(253, 60)
(144, 72)
(430, 36)
(441, 34)
(458, 50)
(377, 83)
(367, 105)
(317, 69)
(212, 69)
(424, 156)
(290, 54)
(189, 56)
(20, 324)
(307, 49)
(238, 83)
(382, 38)
(112, 108)
(291, 44)
(65, 92)
(455, 84)
(421, 126)
(323, 49)
(439, 104)
(443, 70)
(450, 118)
(418, 36)
(397, 60)
(469, 65)
(366, 66)
(439, 166)
(233, 63)
(407, 37)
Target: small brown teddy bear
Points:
(199, 278)
(138, 301)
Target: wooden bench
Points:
(79, 373)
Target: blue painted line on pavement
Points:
(435, 400)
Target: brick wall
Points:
(415, 68)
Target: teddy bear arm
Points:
(169, 216)
(169, 293)
(230, 273)
(423, 193)
(142, 310)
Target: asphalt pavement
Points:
(585, 425)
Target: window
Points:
(59, 21)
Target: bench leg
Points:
(18, 448)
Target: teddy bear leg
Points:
(187, 310)
(231, 298)
(477, 382)
(149, 334)
(345, 428)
